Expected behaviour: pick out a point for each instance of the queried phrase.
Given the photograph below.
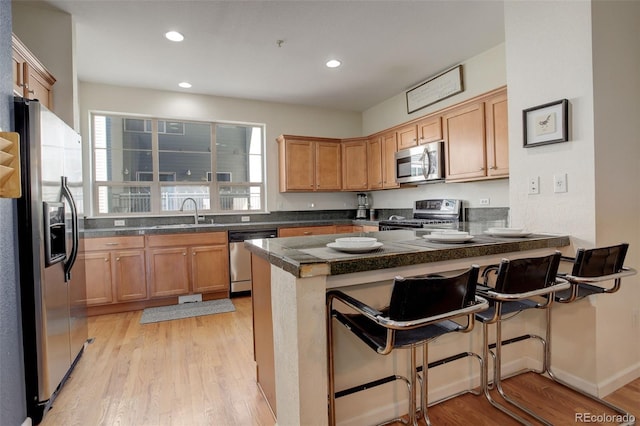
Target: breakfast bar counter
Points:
(290, 279)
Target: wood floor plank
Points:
(200, 371)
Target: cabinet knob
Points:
(493, 168)
(106, 259)
(117, 259)
(184, 254)
(31, 91)
(194, 253)
(307, 233)
(481, 168)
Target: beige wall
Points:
(278, 118)
(566, 50)
(481, 74)
(50, 35)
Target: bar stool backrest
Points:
(422, 297)
(523, 275)
(599, 261)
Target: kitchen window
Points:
(144, 166)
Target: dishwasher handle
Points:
(240, 236)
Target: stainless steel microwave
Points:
(420, 164)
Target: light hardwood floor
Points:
(200, 371)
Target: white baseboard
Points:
(606, 386)
(27, 422)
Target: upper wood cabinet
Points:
(476, 136)
(389, 149)
(309, 164)
(464, 133)
(354, 164)
(381, 162)
(30, 78)
(497, 125)
(428, 129)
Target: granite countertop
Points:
(213, 227)
(308, 256)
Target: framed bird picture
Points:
(545, 124)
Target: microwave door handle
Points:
(425, 163)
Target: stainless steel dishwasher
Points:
(240, 258)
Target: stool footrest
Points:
(389, 379)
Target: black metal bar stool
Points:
(520, 284)
(591, 269)
(420, 309)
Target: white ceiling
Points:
(230, 47)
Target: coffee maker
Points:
(363, 206)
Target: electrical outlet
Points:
(484, 201)
(560, 183)
(119, 222)
(245, 218)
(534, 185)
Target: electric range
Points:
(444, 212)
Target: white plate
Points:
(448, 238)
(508, 234)
(352, 249)
(449, 232)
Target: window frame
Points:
(156, 184)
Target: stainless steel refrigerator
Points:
(52, 286)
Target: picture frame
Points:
(546, 124)
(442, 86)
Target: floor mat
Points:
(186, 310)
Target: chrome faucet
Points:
(195, 216)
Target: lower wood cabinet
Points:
(114, 268)
(305, 231)
(179, 264)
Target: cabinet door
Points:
(97, 270)
(429, 130)
(354, 165)
(209, 268)
(168, 271)
(18, 74)
(374, 163)
(328, 165)
(129, 275)
(497, 136)
(407, 136)
(464, 134)
(299, 166)
(389, 160)
(38, 87)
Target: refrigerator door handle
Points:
(68, 264)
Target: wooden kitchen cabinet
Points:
(497, 125)
(354, 164)
(30, 77)
(309, 164)
(381, 161)
(179, 264)
(465, 150)
(389, 149)
(306, 231)
(477, 144)
(425, 130)
(115, 269)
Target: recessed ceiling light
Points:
(333, 63)
(174, 36)
(184, 85)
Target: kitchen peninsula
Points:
(290, 280)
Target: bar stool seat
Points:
(420, 309)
